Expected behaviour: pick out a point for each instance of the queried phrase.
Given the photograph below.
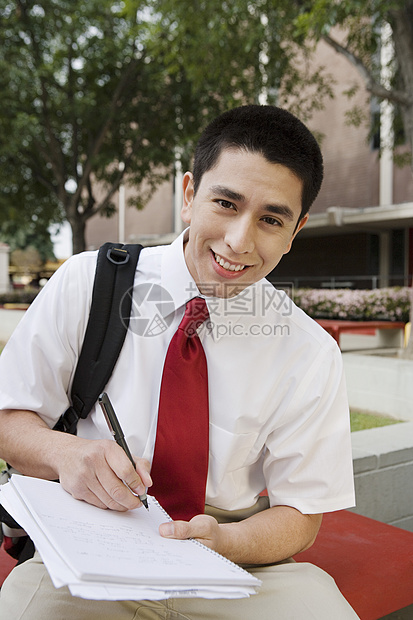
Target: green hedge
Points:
(383, 304)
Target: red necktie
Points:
(180, 461)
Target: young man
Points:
(278, 416)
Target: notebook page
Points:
(103, 545)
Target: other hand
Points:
(204, 528)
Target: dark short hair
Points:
(273, 132)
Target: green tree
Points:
(272, 43)
(20, 235)
(86, 86)
(26, 206)
(81, 91)
(242, 50)
(79, 94)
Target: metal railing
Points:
(347, 281)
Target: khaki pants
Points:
(290, 591)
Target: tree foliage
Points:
(356, 30)
(87, 85)
(79, 93)
(271, 43)
(250, 51)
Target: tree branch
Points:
(57, 189)
(376, 89)
(105, 128)
(75, 127)
(94, 208)
(42, 179)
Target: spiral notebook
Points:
(107, 554)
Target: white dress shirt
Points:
(278, 405)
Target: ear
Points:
(187, 197)
(300, 225)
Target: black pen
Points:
(116, 430)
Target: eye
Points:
(271, 220)
(226, 204)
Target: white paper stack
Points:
(103, 554)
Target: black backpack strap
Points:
(106, 329)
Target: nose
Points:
(239, 236)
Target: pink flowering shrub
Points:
(384, 304)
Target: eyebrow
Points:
(277, 209)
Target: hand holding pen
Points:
(116, 430)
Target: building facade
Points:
(359, 233)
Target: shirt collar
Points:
(175, 275)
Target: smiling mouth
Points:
(227, 265)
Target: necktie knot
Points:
(196, 313)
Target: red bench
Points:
(390, 332)
(6, 564)
(371, 562)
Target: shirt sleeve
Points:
(38, 362)
(308, 458)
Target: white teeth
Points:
(226, 265)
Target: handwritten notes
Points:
(107, 554)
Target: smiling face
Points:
(242, 219)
